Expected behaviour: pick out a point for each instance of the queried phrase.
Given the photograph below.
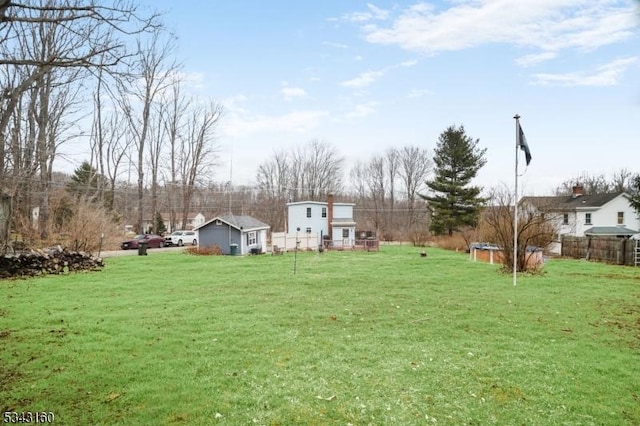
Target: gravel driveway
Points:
(134, 252)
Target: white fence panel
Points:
(287, 242)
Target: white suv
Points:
(180, 238)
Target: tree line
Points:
(59, 59)
(108, 74)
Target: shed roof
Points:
(240, 222)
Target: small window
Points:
(345, 233)
(251, 238)
(565, 219)
(308, 229)
(308, 211)
(587, 218)
(324, 212)
(620, 218)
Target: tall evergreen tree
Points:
(85, 181)
(635, 193)
(454, 202)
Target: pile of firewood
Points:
(53, 260)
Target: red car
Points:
(153, 241)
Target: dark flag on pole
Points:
(522, 143)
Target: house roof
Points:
(571, 203)
(244, 223)
(190, 216)
(319, 203)
(342, 221)
(610, 231)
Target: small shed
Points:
(234, 234)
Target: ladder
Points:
(637, 257)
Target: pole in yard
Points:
(295, 253)
(515, 207)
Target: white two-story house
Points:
(332, 222)
(579, 214)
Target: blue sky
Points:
(366, 76)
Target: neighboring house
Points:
(330, 221)
(234, 234)
(193, 220)
(580, 215)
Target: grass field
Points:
(387, 338)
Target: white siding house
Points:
(332, 222)
(579, 215)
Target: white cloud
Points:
(606, 75)
(193, 79)
(369, 77)
(363, 80)
(290, 93)
(536, 58)
(239, 122)
(373, 13)
(363, 110)
(548, 26)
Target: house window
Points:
(620, 218)
(308, 229)
(251, 238)
(308, 211)
(587, 218)
(565, 219)
(345, 233)
(324, 212)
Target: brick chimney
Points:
(330, 215)
(578, 190)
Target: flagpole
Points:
(515, 210)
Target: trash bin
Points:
(233, 249)
(142, 248)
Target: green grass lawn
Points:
(386, 338)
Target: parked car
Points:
(180, 238)
(153, 241)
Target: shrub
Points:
(454, 242)
(205, 251)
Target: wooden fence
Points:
(620, 251)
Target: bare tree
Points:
(392, 163)
(198, 150)
(621, 180)
(377, 186)
(86, 37)
(591, 184)
(176, 106)
(156, 144)
(272, 178)
(415, 166)
(150, 76)
(39, 39)
(315, 171)
(535, 229)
